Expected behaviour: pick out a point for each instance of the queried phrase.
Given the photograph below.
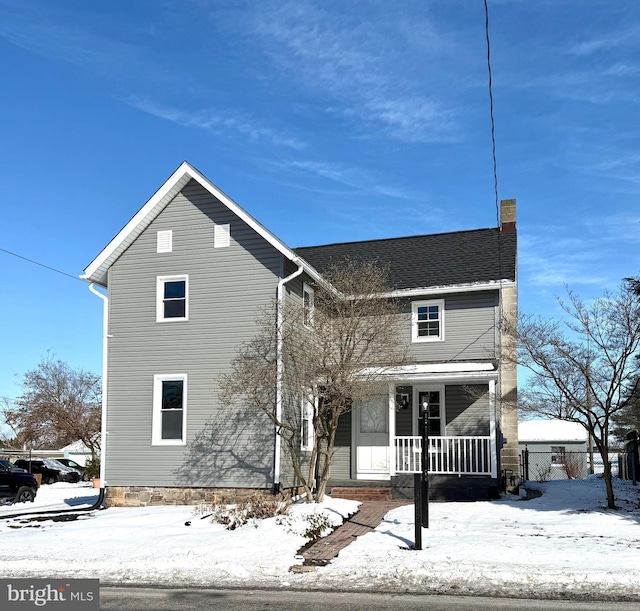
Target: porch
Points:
(380, 440)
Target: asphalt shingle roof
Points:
(462, 257)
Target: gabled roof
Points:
(463, 260)
(96, 271)
(481, 257)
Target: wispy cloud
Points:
(356, 66)
(217, 121)
(627, 37)
(357, 179)
(548, 260)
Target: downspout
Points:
(105, 355)
(279, 371)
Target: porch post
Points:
(392, 429)
(492, 428)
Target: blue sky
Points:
(328, 121)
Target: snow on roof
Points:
(551, 430)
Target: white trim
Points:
(96, 271)
(415, 305)
(453, 288)
(222, 236)
(492, 428)
(392, 428)
(156, 422)
(105, 375)
(431, 368)
(164, 241)
(306, 288)
(307, 412)
(160, 282)
(280, 296)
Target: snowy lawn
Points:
(563, 543)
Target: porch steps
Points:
(357, 493)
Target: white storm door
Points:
(373, 438)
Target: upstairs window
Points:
(164, 241)
(427, 321)
(307, 305)
(169, 409)
(172, 298)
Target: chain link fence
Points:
(549, 466)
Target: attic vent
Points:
(222, 236)
(165, 241)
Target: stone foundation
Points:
(145, 496)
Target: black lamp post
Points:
(424, 409)
(421, 480)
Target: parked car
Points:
(16, 484)
(51, 470)
(76, 467)
(67, 474)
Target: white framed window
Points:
(427, 321)
(308, 305)
(306, 424)
(172, 298)
(558, 454)
(221, 236)
(169, 422)
(164, 241)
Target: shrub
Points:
(543, 473)
(92, 468)
(318, 523)
(255, 507)
(574, 465)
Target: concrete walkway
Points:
(369, 516)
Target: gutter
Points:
(279, 371)
(105, 355)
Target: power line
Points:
(53, 269)
(493, 129)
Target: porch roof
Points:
(438, 371)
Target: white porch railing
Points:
(447, 455)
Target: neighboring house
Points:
(78, 452)
(556, 449)
(185, 279)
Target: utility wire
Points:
(493, 129)
(53, 269)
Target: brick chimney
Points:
(508, 215)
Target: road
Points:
(155, 599)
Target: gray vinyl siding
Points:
(469, 328)
(467, 410)
(341, 465)
(224, 447)
(404, 416)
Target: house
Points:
(553, 449)
(184, 280)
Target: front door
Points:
(372, 428)
(430, 401)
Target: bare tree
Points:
(585, 369)
(633, 284)
(333, 356)
(59, 405)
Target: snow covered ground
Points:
(563, 543)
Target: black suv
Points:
(16, 484)
(52, 471)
